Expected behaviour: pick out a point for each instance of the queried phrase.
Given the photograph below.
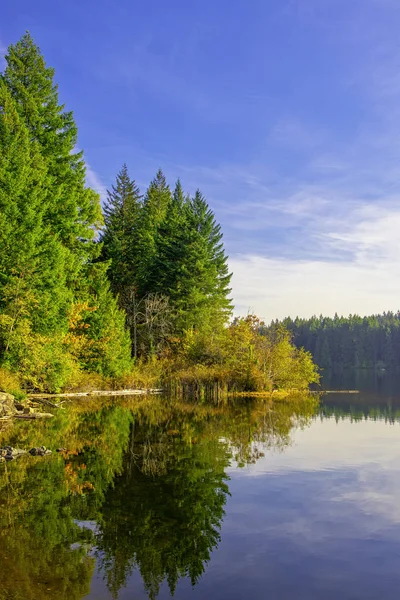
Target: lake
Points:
(151, 498)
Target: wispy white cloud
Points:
(275, 288)
(324, 238)
(94, 181)
(351, 266)
(311, 212)
(372, 486)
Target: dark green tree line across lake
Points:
(352, 342)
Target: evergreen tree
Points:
(73, 211)
(170, 242)
(108, 347)
(120, 247)
(119, 238)
(190, 265)
(179, 198)
(49, 220)
(217, 290)
(155, 207)
(157, 200)
(33, 296)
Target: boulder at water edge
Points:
(7, 405)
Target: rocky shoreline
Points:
(8, 453)
(10, 408)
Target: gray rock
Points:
(9, 453)
(41, 451)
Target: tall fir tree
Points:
(169, 242)
(119, 237)
(208, 290)
(51, 217)
(191, 265)
(73, 212)
(155, 208)
(30, 254)
(120, 245)
(33, 294)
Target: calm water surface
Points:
(153, 498)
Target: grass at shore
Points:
(200, 382)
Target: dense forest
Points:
(354, 342)
(135, 294)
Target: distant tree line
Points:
(349, 342)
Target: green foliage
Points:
(240, 358)
(33, 293)
(168, 246)
(108, 347)
(11, 383)
(154, 211)
(119, 243)
(73, 211)
(43, 362)
(32, 261)
(155, 285)
(48, 220)
(190, 265)
(152, 475)
(352, 342)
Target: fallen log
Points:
(340, 391)
(34, 415)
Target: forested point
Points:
(135, 294)
(348, 342)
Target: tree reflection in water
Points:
(151, 473)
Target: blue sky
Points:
(286, 114)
